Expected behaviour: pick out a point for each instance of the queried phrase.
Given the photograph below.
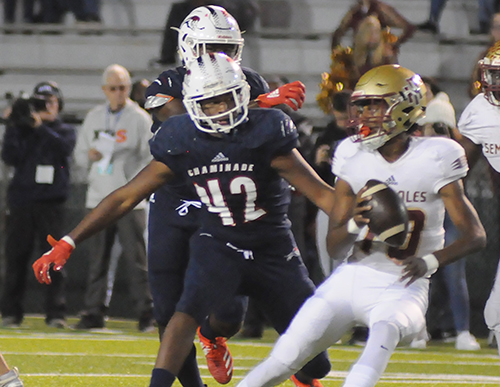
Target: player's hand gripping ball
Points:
(388, 215)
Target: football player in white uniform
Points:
(383, 288)
(479, 125)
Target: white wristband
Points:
(352, 227)
(69, 241)
(432, 264)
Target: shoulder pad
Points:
(174, 136)
(268, 125)
(163, 89)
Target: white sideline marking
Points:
(83, 354)
(387, 378)
(77, 337)
(90, 375)
(474, 361)
(241, 358)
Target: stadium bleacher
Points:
(296, 46)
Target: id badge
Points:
(44, 174)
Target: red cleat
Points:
(219, 359)
(298, 383)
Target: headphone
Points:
(46, 89)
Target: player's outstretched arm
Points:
(472, 236)
(293, 168)
(346, 220)
(109, 210)
(292, 94)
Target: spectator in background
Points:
(373, 45)
(113, 145)
(386, 14)
(9, 377)
(51, 11)
(39, 146)
(9, 11)
(485, 9)
(138, 91)
(476, 86)
(88, 11)
(440, 120)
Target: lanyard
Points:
(109, 116)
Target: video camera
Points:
(22, 111)
(24, 106)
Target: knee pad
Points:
(288, 351)
(492, 315)
(409, 319)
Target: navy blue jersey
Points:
(245, 199)
(170, 81)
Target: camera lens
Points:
(39, 104)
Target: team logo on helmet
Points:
(192, 23)
(413, 91)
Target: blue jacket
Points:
(51, 144)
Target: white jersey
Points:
(480, 123)
(429, 164)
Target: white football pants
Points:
(353, 294)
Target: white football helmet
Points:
(490, 74)
(386, 101)
(209, 25)
(213, 75)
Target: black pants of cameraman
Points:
(27, 230)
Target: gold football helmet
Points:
(387, 101)
(490, 74)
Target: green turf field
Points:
(120, 356)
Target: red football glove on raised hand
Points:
(288, 93)
(57, 256)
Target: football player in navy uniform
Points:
(382, 287)
(238, 160)
(174, 208)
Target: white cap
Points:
(439, 109)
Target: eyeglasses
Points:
(114, 88)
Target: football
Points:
(388, 215)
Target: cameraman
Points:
(39, 147)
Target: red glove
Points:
(288, 93)
(61, 250)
